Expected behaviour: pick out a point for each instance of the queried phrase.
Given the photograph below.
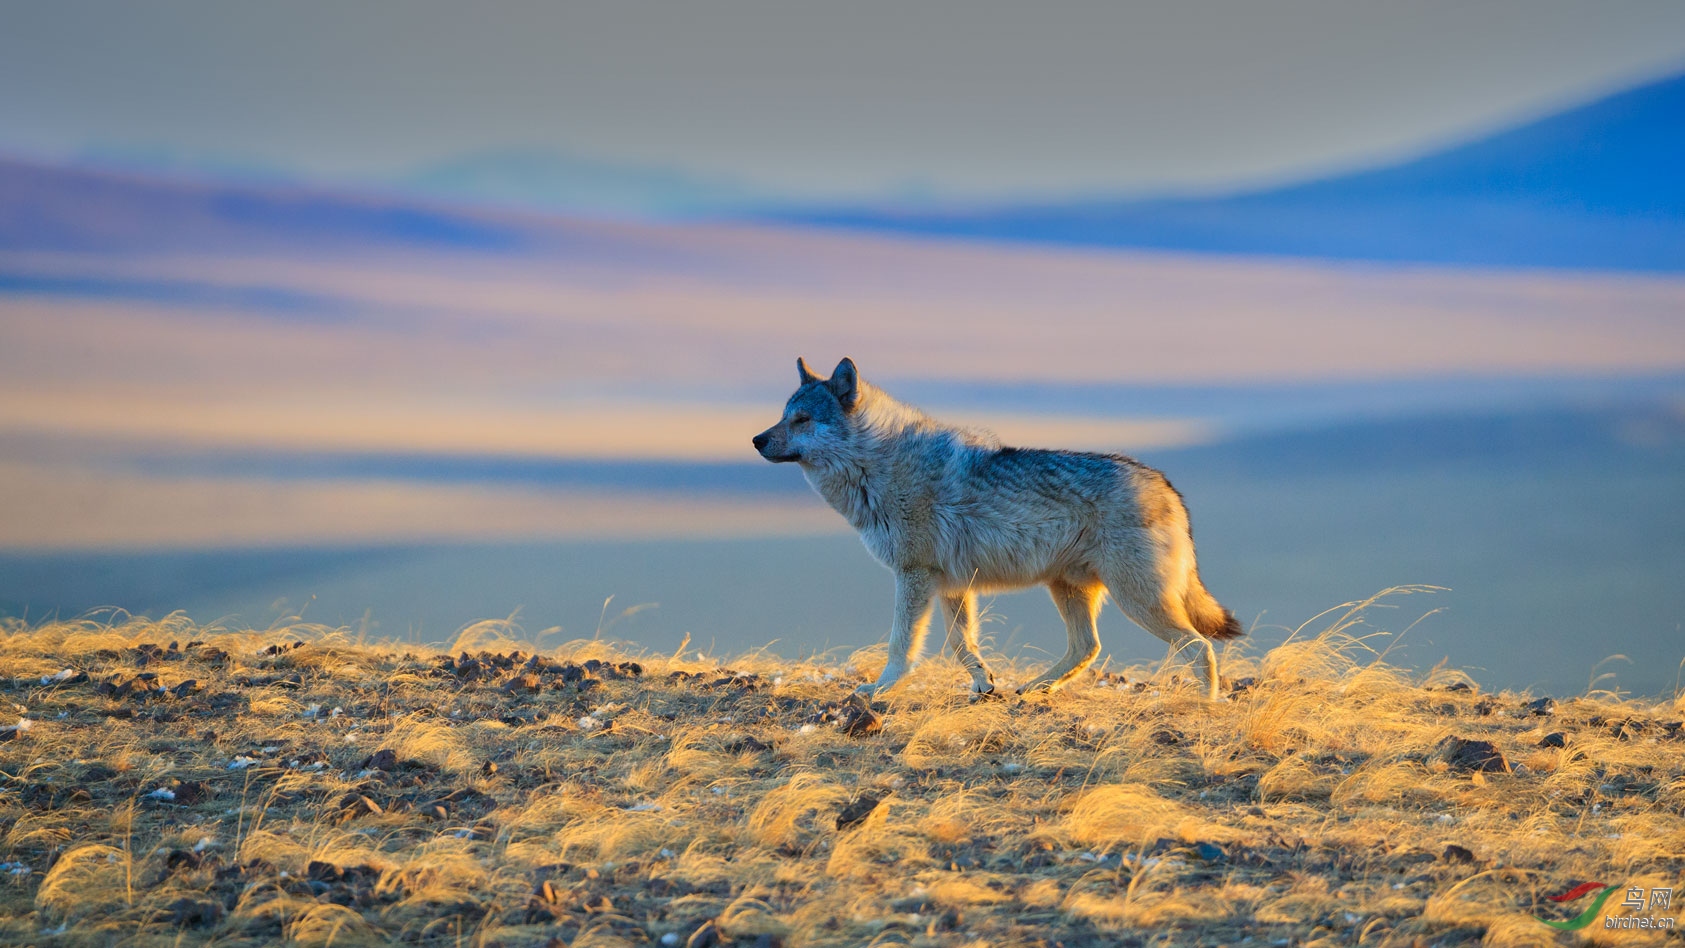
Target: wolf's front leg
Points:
(962, 639)
(913, 591)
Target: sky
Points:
(677, 352)
(948, 98)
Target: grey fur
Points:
(954, 514)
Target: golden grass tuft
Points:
(87, 879)
(790, 816)
(1122, 815)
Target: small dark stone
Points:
(862, 721)
(864, 724)
(1243, 684)
(1554, 739)
(1542, 707)
(1210, 852)
(1473, 756)
(1485, 707)
(768, 940)
(353, 805)
(528, 682)
(189, 792)
(384, 759)
(1455, 853)
(1168, 737)
(1459, 686)
(857, 811)
(180, 859)
(747, 745)
(1628, 729)
(194, 913)
(488, 768)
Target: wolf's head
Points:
(816, 418)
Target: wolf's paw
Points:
(886, 681)
(872, 690)
(990, 693)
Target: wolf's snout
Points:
(770, 444)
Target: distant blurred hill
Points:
(81, 209)
(1600, 187)
(544, 180)
(68, 208)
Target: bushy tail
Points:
(1209, 616)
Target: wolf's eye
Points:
(800, 418)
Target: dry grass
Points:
(333, 792)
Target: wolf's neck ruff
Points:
(888, 438)
(847, 486)
(851, 481)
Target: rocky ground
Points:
(162, 783)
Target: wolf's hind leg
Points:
(913, 592)
(1170, 623)
(961, 613)
(1080, 607)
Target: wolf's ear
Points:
(845, 384)
(801, 369)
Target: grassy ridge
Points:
(184, 785)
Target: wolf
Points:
(954, 514)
